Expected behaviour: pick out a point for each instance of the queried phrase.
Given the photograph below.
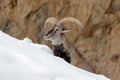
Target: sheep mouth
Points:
(46, 37)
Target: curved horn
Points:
(70, 19)
(50, 21)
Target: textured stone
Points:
(99, 42)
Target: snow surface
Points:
(24, 60)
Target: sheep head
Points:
(54, 30)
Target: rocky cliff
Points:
(99, 42)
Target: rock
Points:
(99, 43)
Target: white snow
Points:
(24, 60)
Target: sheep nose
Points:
(46, 37)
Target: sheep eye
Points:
(54, 25)
(56, 30)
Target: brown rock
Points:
(99, 43)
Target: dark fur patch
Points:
(60, 52)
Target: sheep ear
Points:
(65, 31)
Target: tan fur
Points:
(77, 59)
(53, 33)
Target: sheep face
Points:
(55, 34)
(52, 32)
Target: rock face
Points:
(99, 42)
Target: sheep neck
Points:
(58, 40)
(59, 51)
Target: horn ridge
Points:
(70, 19)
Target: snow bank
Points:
(24, 60)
